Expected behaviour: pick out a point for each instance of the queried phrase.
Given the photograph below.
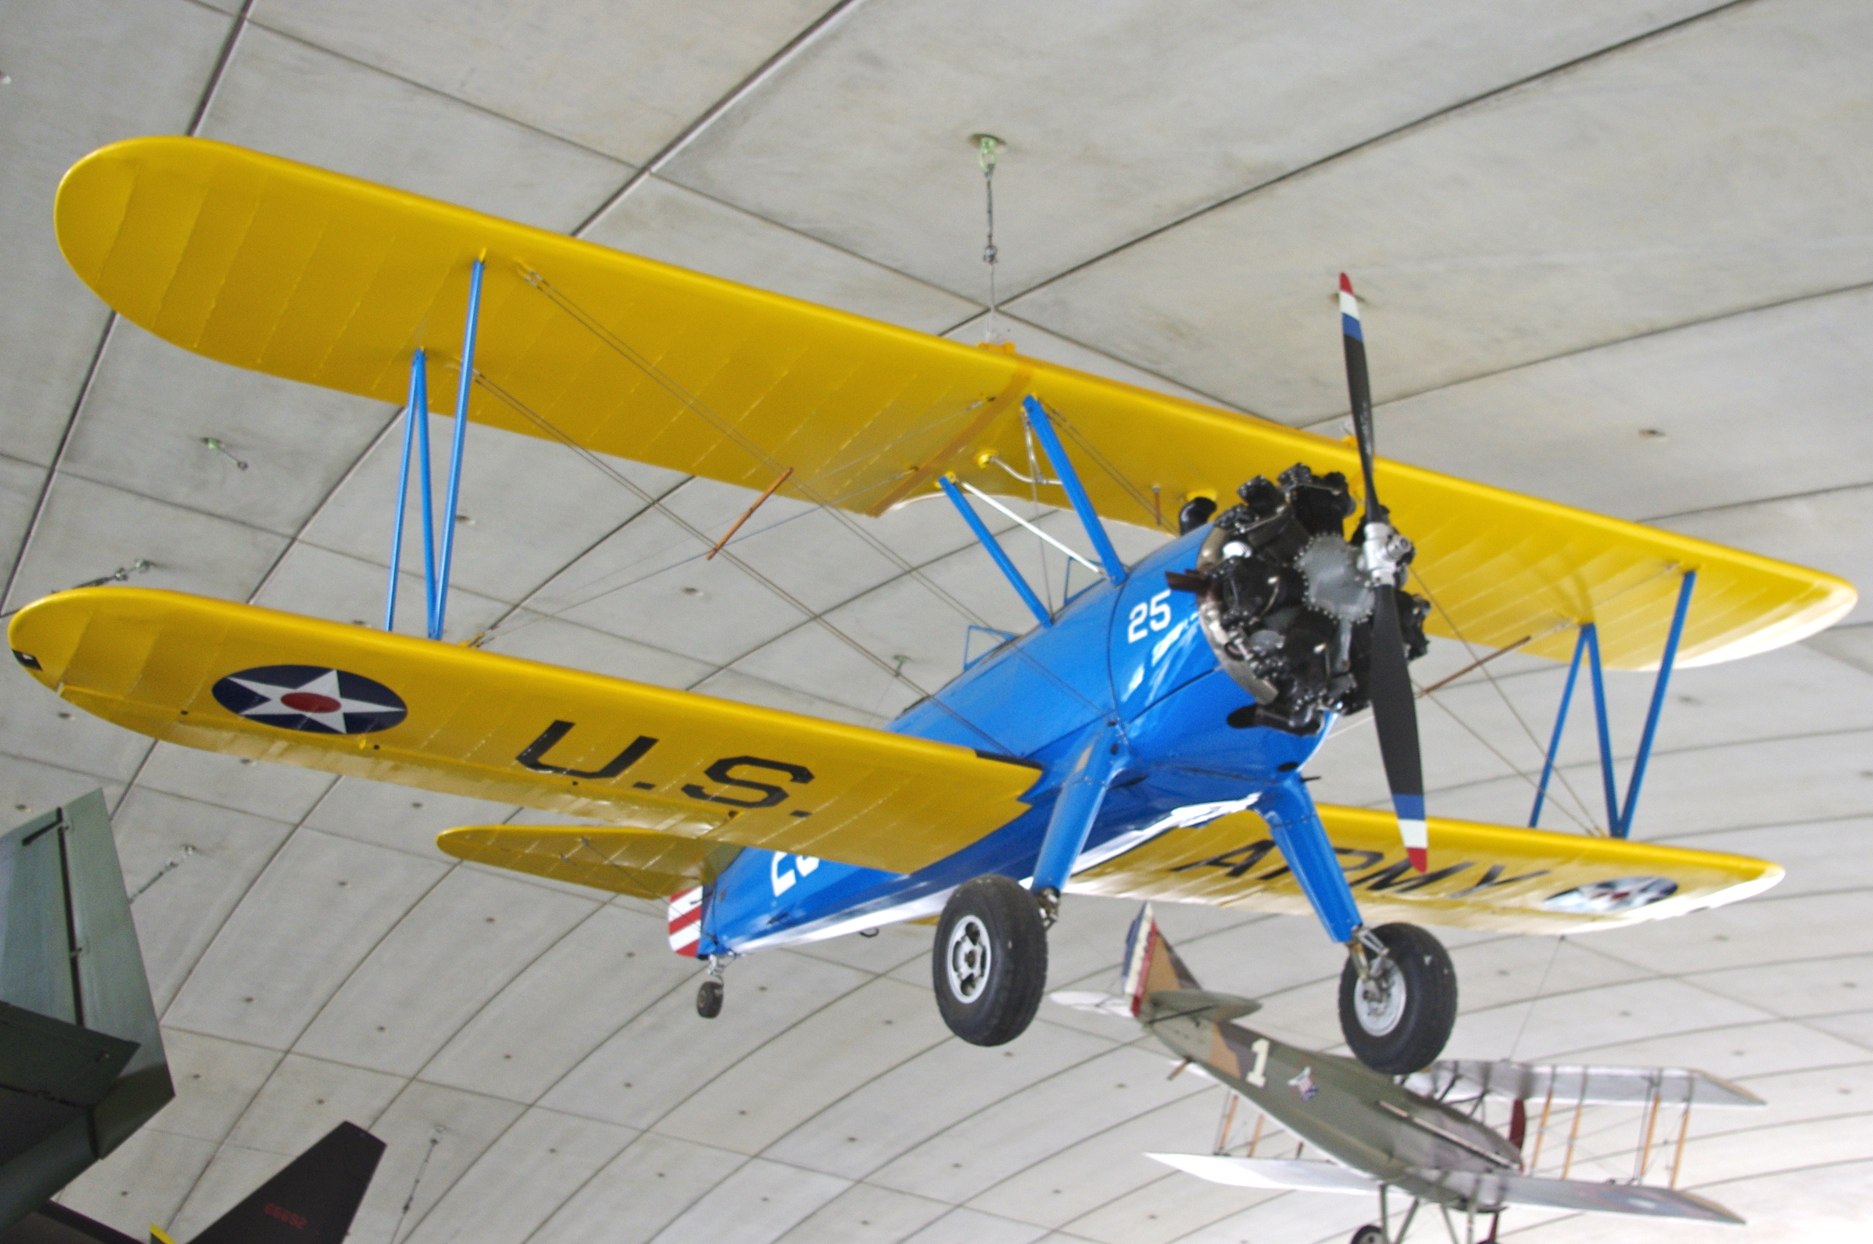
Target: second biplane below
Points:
(1146, 739)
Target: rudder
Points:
(1151, 964)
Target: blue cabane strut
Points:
(1070, 480)
(1618, 816)
(416, 437)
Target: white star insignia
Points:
(318, 700)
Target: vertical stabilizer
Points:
(81, 1054)
(1150, 963)
(312, 1201)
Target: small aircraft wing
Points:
(275, 686)
(1480, 876)
(309, 275)
(1503, 1188)
(1289, 1173)
(1636, 1086)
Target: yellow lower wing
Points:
(274, 266)
(1480, 876)
(276, 686)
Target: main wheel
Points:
(989, 963)
(1398, 1020)
(1369, 1234)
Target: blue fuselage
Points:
(1130, 658)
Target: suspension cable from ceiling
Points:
(988, 153)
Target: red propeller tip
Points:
(1346, 284)
(1420, 859)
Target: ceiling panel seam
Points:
(688, 1205)
(1611, 343)
(292, 832)
(445, 1042)
(215, 75)
(1058, 1073)
(481, 109)
(1778, 499)
(220, 930)
(291, 1048)
(787, 52)
(1397, 131)
(1085, 1137)
(58, 458)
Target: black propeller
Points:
(1394, 709)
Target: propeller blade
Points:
(1360, 390)
(1395, 713)
(1394, 708)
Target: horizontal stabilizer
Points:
(1491, 877)
(253, 682)
(637, 862)
(1493, 1189)
(1303, 1176)
(1202, 1004)
(1637, 1086)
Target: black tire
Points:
(709, 999)
(1369, 1234)
(1404, 1027)
(989, 962)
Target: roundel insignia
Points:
(313, 698)
(1616, 894)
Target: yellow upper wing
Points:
(291, 270)
(1480, 876)
(276, 686)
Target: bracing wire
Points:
(805, 489)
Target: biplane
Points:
(1146, 738)
(1425, 1137)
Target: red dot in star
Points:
(309, 702)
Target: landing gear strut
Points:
(989, 962)
(1398, 998)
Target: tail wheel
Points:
(989, 962)
(709, 998)
(1398, 1018)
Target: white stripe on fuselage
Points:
(1187, 817)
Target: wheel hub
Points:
(969, 958)
(1379, 1001)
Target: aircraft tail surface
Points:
(312, 1201)
(686, 921)
(1150, 963)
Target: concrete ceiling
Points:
(1616, 254)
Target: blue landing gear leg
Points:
(1398, 990)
